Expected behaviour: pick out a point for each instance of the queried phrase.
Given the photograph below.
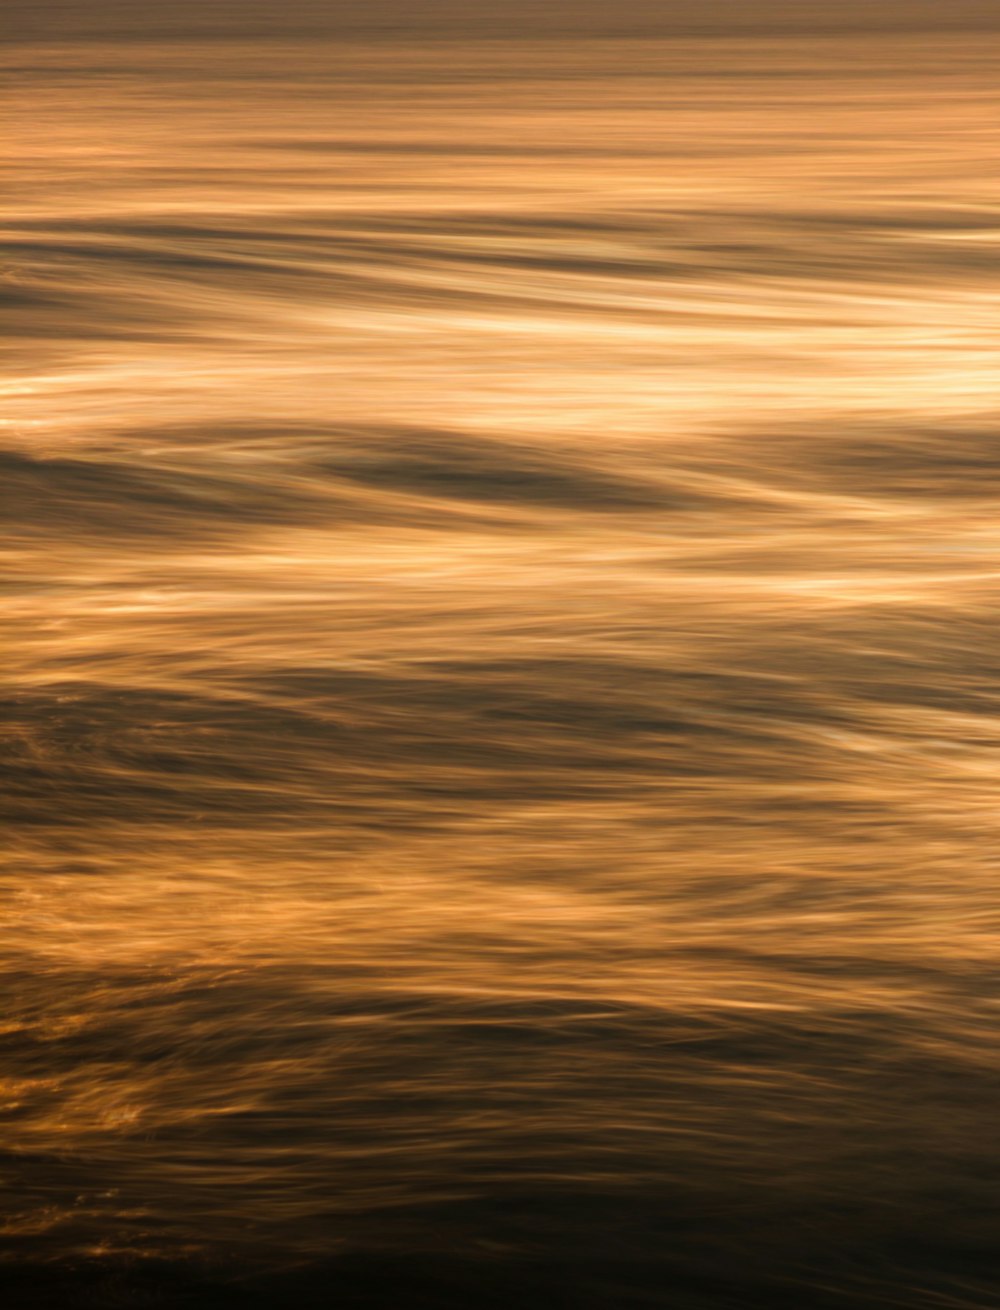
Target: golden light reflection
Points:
(502, 564)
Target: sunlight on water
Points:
(501, 587)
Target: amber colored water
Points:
(501, 592)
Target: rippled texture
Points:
(501, 592)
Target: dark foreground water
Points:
(501, 584)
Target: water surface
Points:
(501, 583)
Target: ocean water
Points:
(501, 587)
